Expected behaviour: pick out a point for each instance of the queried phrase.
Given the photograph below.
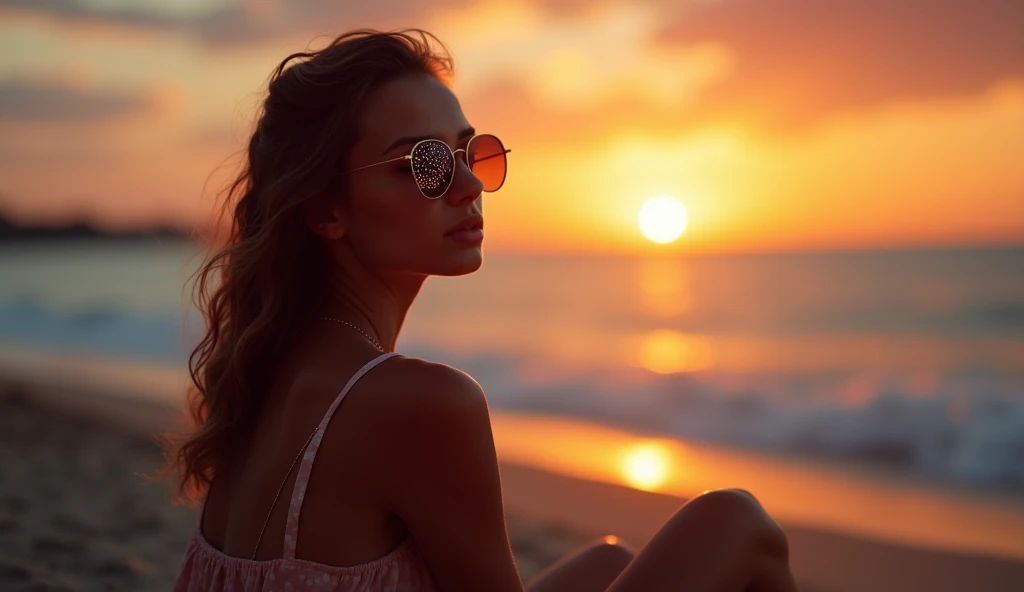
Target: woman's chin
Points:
(464, 262)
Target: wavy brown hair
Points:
(257, 281)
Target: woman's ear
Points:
(326, 219)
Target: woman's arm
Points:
(440, 476)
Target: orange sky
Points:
(780, 124)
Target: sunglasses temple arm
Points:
(406, 157)
(502, 153)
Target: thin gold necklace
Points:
(372, 340)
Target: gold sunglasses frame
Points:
(454, 158)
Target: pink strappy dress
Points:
(206, 568)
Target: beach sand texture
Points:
(75, 513)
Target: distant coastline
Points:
(13, 232)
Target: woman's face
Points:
(391, 225)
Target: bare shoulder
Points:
(430, 423)
(438, 472)
(412, 390)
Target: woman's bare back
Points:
(343, 521)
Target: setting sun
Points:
(662, 219)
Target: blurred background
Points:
(766, 244)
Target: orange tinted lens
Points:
(486, 158)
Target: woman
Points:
(364, 178)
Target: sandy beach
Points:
(76, 513)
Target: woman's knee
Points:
(766, 532)
(726, 505)
(612, 551)
(591, 567)
(736, 513)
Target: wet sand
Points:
(821, 560)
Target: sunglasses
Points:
(433, 164)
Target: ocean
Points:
(905, 361)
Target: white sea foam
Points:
(970, 430)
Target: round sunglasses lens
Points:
(432, 167)
(487, 161)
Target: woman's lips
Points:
(470, 236)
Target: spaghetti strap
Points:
(291, 531)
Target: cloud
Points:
(799, 61)
(245, 22)
(782, 64)
(74, 11)
(256, 22)
(39, 101)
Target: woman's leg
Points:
(590, 569)
(721, 541)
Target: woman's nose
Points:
(465, 185)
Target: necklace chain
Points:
(372, 340)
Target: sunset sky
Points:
(779, 124)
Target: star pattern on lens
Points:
(432, 165)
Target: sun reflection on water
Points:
(664, 288)
(666, 352)
(647, 465)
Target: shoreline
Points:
(820, 559)
(161, 383)
(549, 513)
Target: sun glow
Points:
(663, 219)
(666, 352)
(646, 465)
